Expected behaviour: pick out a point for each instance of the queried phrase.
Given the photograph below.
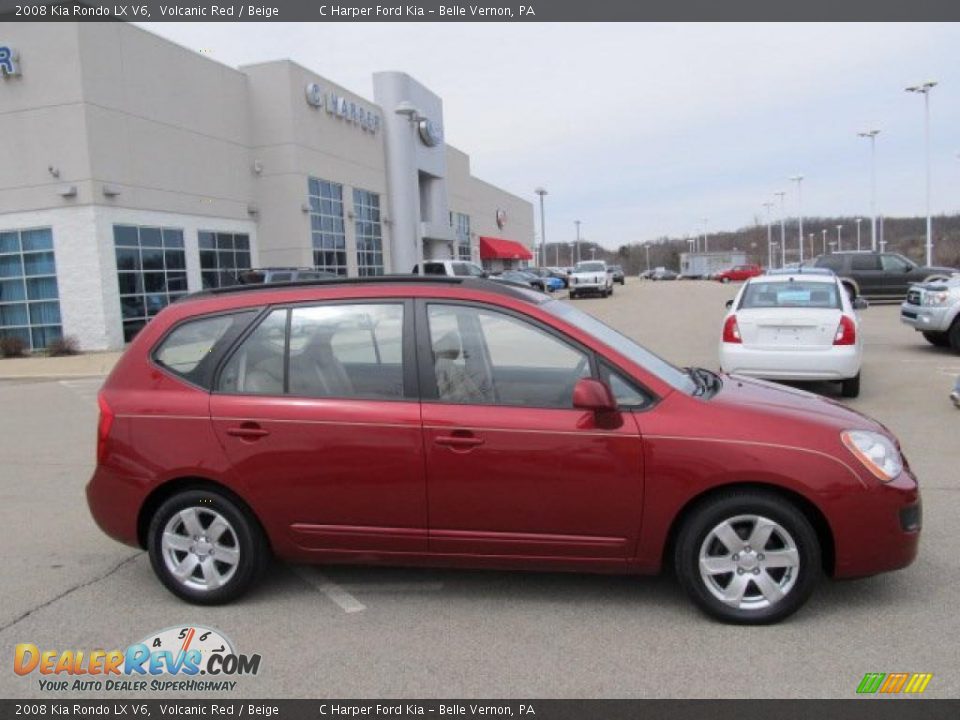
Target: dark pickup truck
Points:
(879, 276)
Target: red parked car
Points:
(461, 422)
(738, 273)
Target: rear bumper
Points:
(115, 504)
(929, 319)
(830, 363)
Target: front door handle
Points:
(462, 440)
(248, 431)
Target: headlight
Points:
(935, 298)
(875, 451)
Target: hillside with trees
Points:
(903, 235)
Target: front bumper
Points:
(832, 362)
(926, 317)
(878, 530)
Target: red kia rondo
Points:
(461, 422)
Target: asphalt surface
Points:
(384, 632)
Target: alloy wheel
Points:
(749, 562)
(200, 548)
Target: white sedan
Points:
(794, 327)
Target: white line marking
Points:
(394, 587)
(347, 602)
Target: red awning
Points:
(492, 248)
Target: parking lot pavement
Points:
(355, 631)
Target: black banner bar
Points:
(860, 709)
(489, 11)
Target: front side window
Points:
(366, 210)
(29, 297)
(895, 263)
(490, 358)
(327, 231)
(223, 257)
(322, 351)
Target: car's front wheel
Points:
(205, 548)
(748, 557)
(939, 339)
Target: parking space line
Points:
(86, 388)
(317, 580)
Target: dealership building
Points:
(133, 171)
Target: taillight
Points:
(731, 331)
(103, 427)
(846, 332)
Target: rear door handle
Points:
(248, 431)
(459, 441)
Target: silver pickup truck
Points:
(934, 309)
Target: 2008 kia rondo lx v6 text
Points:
(468, 423)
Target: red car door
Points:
(321, 423)
(512, 468)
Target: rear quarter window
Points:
(191, 349)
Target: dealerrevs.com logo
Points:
(183, 659)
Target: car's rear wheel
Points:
(850, 388)
(748, 557)
(573, 295)
(940, 339)
(205, 548)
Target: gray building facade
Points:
(133, 171)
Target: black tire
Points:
(850, 388)
(573, 295)
(725, 280)
(954, 334)
(737, 504)
(939, 339)
(245, 535)
(623, 281)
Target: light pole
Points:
(812, 249)
(858, 220)
(572, 245)
(593, 253)
(924, 89)
(798, 179)
(646, 247)
(705, 246)
(824, 231)
(839, 238)
(783, 229)
(577, 223)
(543, 228)
(769, 205)
(872, 134)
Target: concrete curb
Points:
(74, 366)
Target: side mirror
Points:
(860, 303)
(593, 395)
(729, 304)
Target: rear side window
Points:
(322, 351)
(191, 349)
(864, 262)
(831, 262)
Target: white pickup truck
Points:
(591, 276)
(933, 308)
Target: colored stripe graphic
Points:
(870, 683)
(893, 683)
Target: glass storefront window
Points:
(223, 256)
(29, 298)
(327, 231)
(151, 272)
(366, 209)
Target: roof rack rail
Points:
(505, 288)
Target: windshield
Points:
(673, 376)
(591, 267)
(792, 294)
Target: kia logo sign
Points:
(314, 94)
(501, 218)
(431, 133)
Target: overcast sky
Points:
(642, 130)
